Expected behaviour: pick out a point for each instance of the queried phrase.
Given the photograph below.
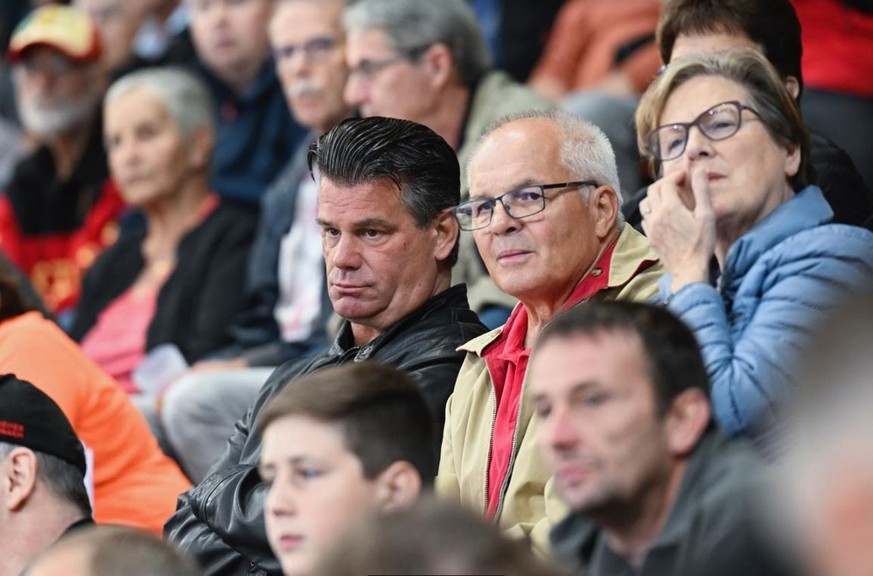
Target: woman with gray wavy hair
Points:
(735, 183)
(180, 279)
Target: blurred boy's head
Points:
(338, 444)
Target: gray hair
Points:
(585, 150)
(185, 97)
(412, 25)
(767, 94)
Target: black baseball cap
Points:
(30, 418)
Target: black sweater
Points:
(199, 298)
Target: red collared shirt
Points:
(507, 359)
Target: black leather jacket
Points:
(221, 522)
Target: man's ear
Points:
(439, 64)
(603, 202)
(446, 232)
(18, 471)
(398, 486)
(686, 419)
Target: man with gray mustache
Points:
(287, 300)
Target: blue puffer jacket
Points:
(779, 280)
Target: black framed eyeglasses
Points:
(313, 49)
(718, 123)
(366, 69)
(520, 203)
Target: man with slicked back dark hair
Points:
(386, 189)
(409, 154)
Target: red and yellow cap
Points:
(67, 30)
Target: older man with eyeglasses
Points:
(556, 240)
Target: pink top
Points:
(117, 342)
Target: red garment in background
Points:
(837, 47)
(55, 262)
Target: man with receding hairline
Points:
(546, 222)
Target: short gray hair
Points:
(412, 25)
(585, 150)
(185, 97)
(767, 94)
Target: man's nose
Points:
(345, 253)
(560, 429)
(502, 221)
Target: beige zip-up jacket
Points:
(529, 504)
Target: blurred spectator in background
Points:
(515, 32)
(427, 62)
(112, 551)
(456, 542)
(163, 31)
(60, 207)
(825, 485)
(600, 58)
(838, 74)
(625, 425)
(599, 45)
(11, 144)
(43, 467)
(180, 280)
(256, 134)
(117, 22)
(287, 307)
(134, 482)
(367, 427)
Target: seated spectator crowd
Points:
(318, 287)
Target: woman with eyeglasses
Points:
(735, 183)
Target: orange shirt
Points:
(585, 39)
(135, 484)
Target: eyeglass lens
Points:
(719, 122)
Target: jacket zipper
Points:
(512, 454)
(490, 443)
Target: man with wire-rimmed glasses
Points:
(544, 213)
